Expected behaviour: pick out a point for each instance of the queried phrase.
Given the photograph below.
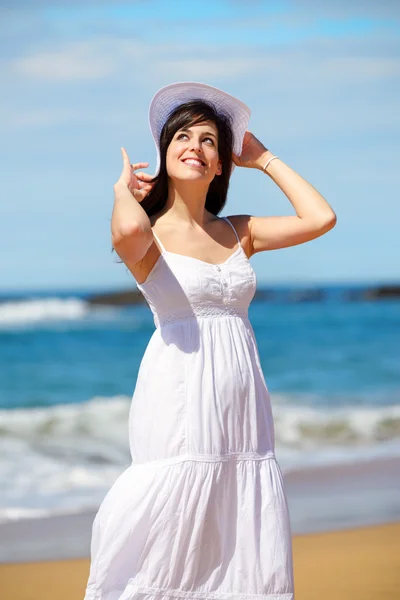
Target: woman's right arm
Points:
(131, 232)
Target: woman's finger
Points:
(140, 165)
(144, 176)
(145, 186)
(138, 195)
(125, 156)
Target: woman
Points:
(201, 513)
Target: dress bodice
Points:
(180, 286)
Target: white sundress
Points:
(201, 513)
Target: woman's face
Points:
(193, 153)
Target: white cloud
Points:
(37, 117)
(24, 118)
(73, 62)
(206, 69)
(344, 9)
(358, 69)
(105, 57)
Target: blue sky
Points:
(322, 80)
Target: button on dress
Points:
(201, 512)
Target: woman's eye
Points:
(184, 134)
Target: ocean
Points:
(68, 371)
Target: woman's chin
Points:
(192, 175)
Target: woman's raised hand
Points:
(252, 154)
(139, 184)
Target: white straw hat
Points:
(171, 96)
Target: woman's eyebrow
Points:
(205, 132)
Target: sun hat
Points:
(171, 96)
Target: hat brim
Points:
(171, 96)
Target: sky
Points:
(321, 79)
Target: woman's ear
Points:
(219, 168)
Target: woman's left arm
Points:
(314, 216)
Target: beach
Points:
(346, 539)
(352, 564)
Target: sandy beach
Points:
(351, 564)
(346, 539)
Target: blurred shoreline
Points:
(272, 294)
(321, 499)
(291, 293)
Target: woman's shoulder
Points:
(241, 222)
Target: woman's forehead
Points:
(203, 125)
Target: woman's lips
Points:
(198, 164)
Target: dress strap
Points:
(225, 218)
(237, 237)
(158, 241)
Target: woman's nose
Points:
(195, 144)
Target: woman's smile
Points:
(194, 162)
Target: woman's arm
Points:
(314, 216)
(131, 232)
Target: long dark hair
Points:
(185, 115)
